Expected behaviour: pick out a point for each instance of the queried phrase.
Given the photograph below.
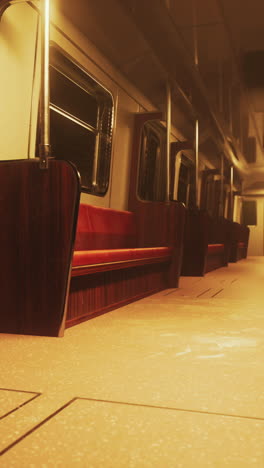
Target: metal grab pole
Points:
(196, 63)
(221, 211)
(196, 161)
(168, 139)
(195, 38)
(231, 192)
(44, 147)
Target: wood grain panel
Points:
(158, 223)
(195, 243)
(38, 210)
(238, 233)
(200, 231)
(176, 228)
(89, 269)
(98, 293)
(214, 261)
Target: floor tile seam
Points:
(218, 292)
(37, 426)
(19, 406)
(171, 292)
(19, 391)
(203, 292)
(171, 408)
(72, 400)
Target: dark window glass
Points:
(73, 142)
(211, 199)
(81, 120)
(152, 172)
(213, 192)
(192, 194)
(68, 96)
(186, 183)
(183, 184)
(210, 195)
(249, 212)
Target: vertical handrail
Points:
(168, 89)
(220, 88)
(231, 192)
(221, 211)
(195, 38)
(96, 151)
(196, 63)
(33, 87)
(44, 147)
(196, 161)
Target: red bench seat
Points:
(215, 248)
(88, 261)
(106, 240)
(103, 228)
(241, 245)
(112, 265)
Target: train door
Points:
(253, 216)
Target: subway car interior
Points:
(132, 233)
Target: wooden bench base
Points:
(206, 245)
(38, 213)
(238, 251)
(239, 235)
(98, 293)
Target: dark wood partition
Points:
(219, 233)
(206, 243)
(99, 293)
(158, 223)
(162, 224)
(176, 221)
(195, 243)
(38, 210)
(239, 237)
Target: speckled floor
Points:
(173, 380)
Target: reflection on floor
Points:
(173, 380)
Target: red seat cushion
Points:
(241, 245)
(216, 248)
(95, 257)
(104, 228)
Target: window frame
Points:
(189, 164)
(211, 191)
(158, 186)
(100, 182)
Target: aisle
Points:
(173, 380)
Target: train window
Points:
(211, 192)
(186, 182)
(72, 99)
(249, 212)
(152, 168)
(81, 120)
